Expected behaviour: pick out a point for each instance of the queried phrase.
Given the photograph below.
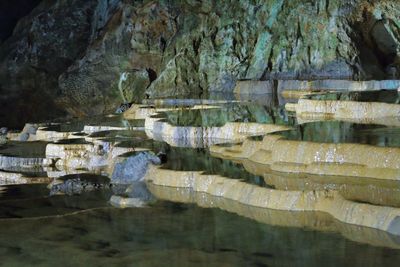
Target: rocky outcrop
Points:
(133, 168)
(43, 46)
(11, 12)
(89, 56)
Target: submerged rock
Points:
(133, 168)
(136, 195)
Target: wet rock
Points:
(3, 135)
(394, 227)
(123, 107)
(77, 156)
(77, 184)
(14, 178)
(29, 70)
(29, 131)
(319, 158)
(3, 130)
(121, 51)
(11, 178)
(197, 136)
(331, 202)
(344, 85)
(7, 162)
(254, 87)
(133, 168)
(359, 111)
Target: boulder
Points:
(28, 131)
(133, 168)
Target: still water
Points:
(180, 227)
(91, 233)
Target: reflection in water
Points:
(310, 220)
(345, 132)
(367, 190)
(274, 185)
(327, 201)
(362, 107)
(174, 235)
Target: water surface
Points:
(182, 228)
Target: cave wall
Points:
(86, 57)
(11, 12)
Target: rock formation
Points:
(87, 57)
(133, 168)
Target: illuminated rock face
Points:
(318, 158)
(330, 109)
(335, 85)
(254, 87)
(118, 51)
(11, 178)
(205, 136)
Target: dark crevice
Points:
(299, 35)
(267, 72)
(234, 43)
(377, 48)
(152, 74)
(196, 45)
(327, 6)
(213, 36)
(309, 55)
(163, 44)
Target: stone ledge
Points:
(338, 85)
(254, 87)
(331, 202)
